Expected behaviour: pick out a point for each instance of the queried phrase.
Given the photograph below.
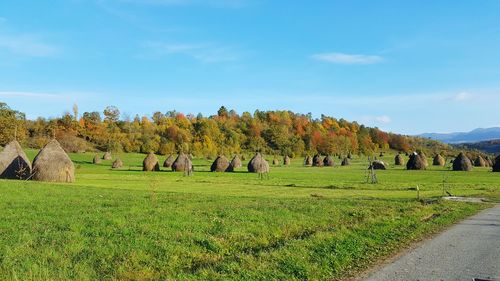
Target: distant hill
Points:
(476, 135)
(490, 146)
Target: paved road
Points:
(470, 249)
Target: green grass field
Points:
(302, 223)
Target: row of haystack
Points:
(182, 163)
(318, 161)
(50, 164)
(418, 161)
(256, 165)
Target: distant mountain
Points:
(490, 146)
(476, 135)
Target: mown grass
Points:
(302, 223)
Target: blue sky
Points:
(404, 66)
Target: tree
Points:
(13, 124)
(111, 114)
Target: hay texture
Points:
(168, 161)
(14, 164)
(150, 163)
(328, 161)
(221, 164)
(462, 163)
(258, 164)
(399, 160)
(118, 163)
(182, 163)
(317, 161)
(52, 164)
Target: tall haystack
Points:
(107, 156)
(97, 159)
(479, 162)
(496, 164)
(416, 162)
(182, 163)
(423, 157)
(399, 160)
(258, 164)
(438, 160)
(13, 162)
(462, 163)
(489, 162)
(328, 161)
(53, 164)
(346, 162)
(168, 161)
(378, 165)
(286, 160)
(221, 164)
(317, 161)
(236, 162)
(276, 162)
(150, 163)
(118, 163)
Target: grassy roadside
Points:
(301, 224)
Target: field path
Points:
(470, 249)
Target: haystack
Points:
(258, 164)
(496, 164)
(13, 162)
(150, 163)
(479, 162)
(118, 163)
(168, 161)
(317, 161)
(462, 163)
(328, 161)
(286, 160)
(438, 160)
(378, 165)
(489, 162)
(53, 164)
(236, 162)
(349, 155)
(399, 160)
(96, 160)
(346, 162)
(182, 163)
(415, 162)
(423, 157)
(221, 164)
(308, 161)
(107, 156)
(276, 162)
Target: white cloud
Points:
(341, 58)
(383, 119)
(462, 96)
(27, 45)
(206, 53)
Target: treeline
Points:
(227, 132)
